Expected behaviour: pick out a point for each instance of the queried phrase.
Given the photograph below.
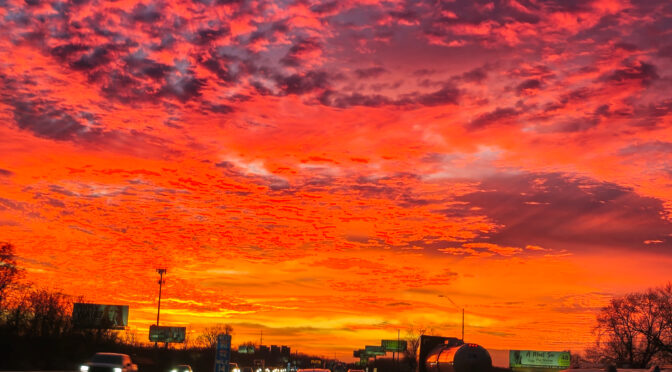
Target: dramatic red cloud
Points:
(330, 172)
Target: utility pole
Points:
(158, 310)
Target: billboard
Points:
(394, 345)
(167, 334)
(98, 316)
(539, 359)
(374, 350)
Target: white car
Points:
(109, 362)
(182, 368)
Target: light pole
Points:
(459, 307)
(158, 310)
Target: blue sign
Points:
(223, 353)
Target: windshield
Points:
(106, 358)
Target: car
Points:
(109, 362)
(181, 368)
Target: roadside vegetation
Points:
(635, 330)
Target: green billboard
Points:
(374, 350)
(395, 346)
(539, 359)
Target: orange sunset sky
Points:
(330, 172)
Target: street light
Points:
(459, 307)
(158, 310)
(161, 281)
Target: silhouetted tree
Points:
(130, 337)
(208, 337)
(413, 344)
(9, 272)
(40, 313)
(634, 329)
(664, 339)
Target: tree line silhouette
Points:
(37, 332)
(635, 330)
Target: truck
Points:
(109, 362)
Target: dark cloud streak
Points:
(556, 211)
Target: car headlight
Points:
(84, 368)
(117, 370)
(173, 370)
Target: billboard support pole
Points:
(398, 350)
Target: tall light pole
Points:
(459, 307)
(158, 310)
